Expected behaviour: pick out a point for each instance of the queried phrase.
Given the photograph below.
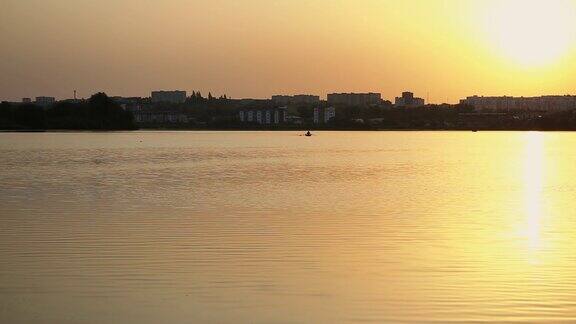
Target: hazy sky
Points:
(256, 48)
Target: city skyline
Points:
(444, 50)
(279, 96)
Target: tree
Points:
(6, 116)
(106, 114)
(30, 116)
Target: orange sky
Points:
(256, 48)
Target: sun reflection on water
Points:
(533, 189)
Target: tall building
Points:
(408, 100)
(543, 103)
(354, 99)
(281, 99)
(324, 115)
(264, 116)
(295, 100)
(174, 97)
(45, 101)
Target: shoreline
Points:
(276, 130)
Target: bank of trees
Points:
(97, 113)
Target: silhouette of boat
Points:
(308, 134)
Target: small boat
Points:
(308, 134)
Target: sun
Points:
(532, 32)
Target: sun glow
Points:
(532, 32)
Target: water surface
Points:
(271, 227)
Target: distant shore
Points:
(277, 130)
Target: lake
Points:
(273, 227)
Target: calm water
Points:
(258, 227)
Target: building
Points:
(45, 101)
(324, 115)
(174, 97)
(294, 120)
(26, 100)
(295, 100)
(355, 99)
(159, 117)
(408, 100)
(505, 103)
(127, 100)
(263, 116)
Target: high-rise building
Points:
(408, 100)
(265, 116)
(324, 115)
(45, 101)
(174, 97)
(355, 99)
(282, 100)
(543, 103)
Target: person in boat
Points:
(308, 133)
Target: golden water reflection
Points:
(534, 173)
(219, 227)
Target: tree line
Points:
(97, 113)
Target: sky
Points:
(443, 50)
